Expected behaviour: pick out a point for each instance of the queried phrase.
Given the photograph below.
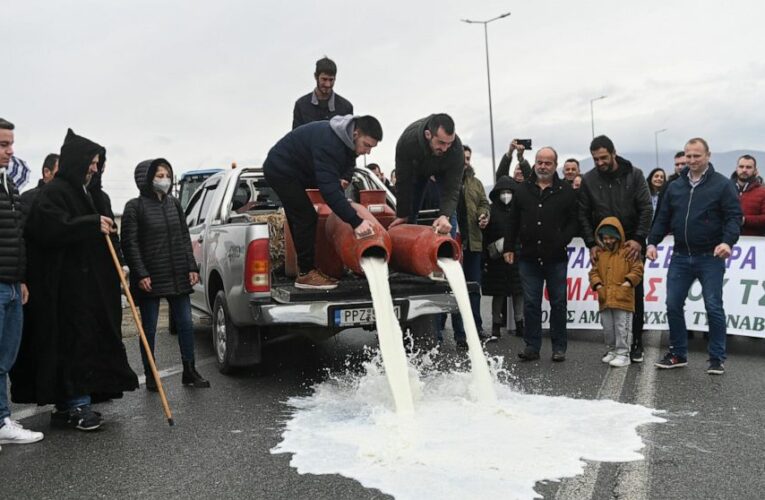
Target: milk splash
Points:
(454, 447)
(389, 333)
(456, 277)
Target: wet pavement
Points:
(710, 447)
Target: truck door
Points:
(196, 232)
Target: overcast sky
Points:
(207, 83)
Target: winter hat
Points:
(609, 231)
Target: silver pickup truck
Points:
(234, 221)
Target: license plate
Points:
(358, 316)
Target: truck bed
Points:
(355, 288)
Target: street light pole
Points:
(592, 113)
(488, 79)
(656, 143)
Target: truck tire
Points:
(225, 335)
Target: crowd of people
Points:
(60, 308)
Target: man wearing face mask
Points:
(157, 248)
(74, 355)
(500, 279)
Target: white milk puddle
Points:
(456, 277)
(470, 436)
(454, 446)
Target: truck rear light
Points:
(257, 272)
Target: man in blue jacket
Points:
(702, 210)
(319, 155)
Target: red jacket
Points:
(753, 205)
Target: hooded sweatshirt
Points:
(318, 155)
(614, 268)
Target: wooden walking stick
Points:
(141, 333)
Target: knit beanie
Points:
(609, 231)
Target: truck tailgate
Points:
(355, 289)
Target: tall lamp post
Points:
(592, 113)
(656, 143)
(488, 79)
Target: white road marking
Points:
(633, 477)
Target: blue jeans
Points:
(683, 270)
(533, 277)
(180, 311)
(11, 321)
(471, 266)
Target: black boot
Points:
(151, 385)
(519, 328)
(192, 377)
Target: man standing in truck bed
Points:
(319, 155)
(322, 103)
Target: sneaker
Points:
(315, 280)
(620, 361)
(82, 418)
(610, 355)
(716, 367)
(559, 356)
(528, 355)
(636, 354)
(13, 433)
(671, 361)
(330, 278)
(496, 332)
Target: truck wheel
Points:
(225, 335)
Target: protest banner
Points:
(743, 291)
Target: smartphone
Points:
(526, 143)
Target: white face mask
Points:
(505, 198)
(161, 185)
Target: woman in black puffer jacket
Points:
(157, 248)
(500, 279)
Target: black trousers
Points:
(637, 318)
(301, 217)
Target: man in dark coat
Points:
(500, 279)
(319, 155)
(702, 210)
(616, 188)
(13, 289)
(49, 169)
(428, 147)
(322, 103)
(543, 220)
(74, 355)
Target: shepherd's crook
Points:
(149, 356)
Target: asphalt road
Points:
(711, 446)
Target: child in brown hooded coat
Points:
(615, 277)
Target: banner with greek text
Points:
(743, 291)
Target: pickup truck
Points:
(236, 226)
